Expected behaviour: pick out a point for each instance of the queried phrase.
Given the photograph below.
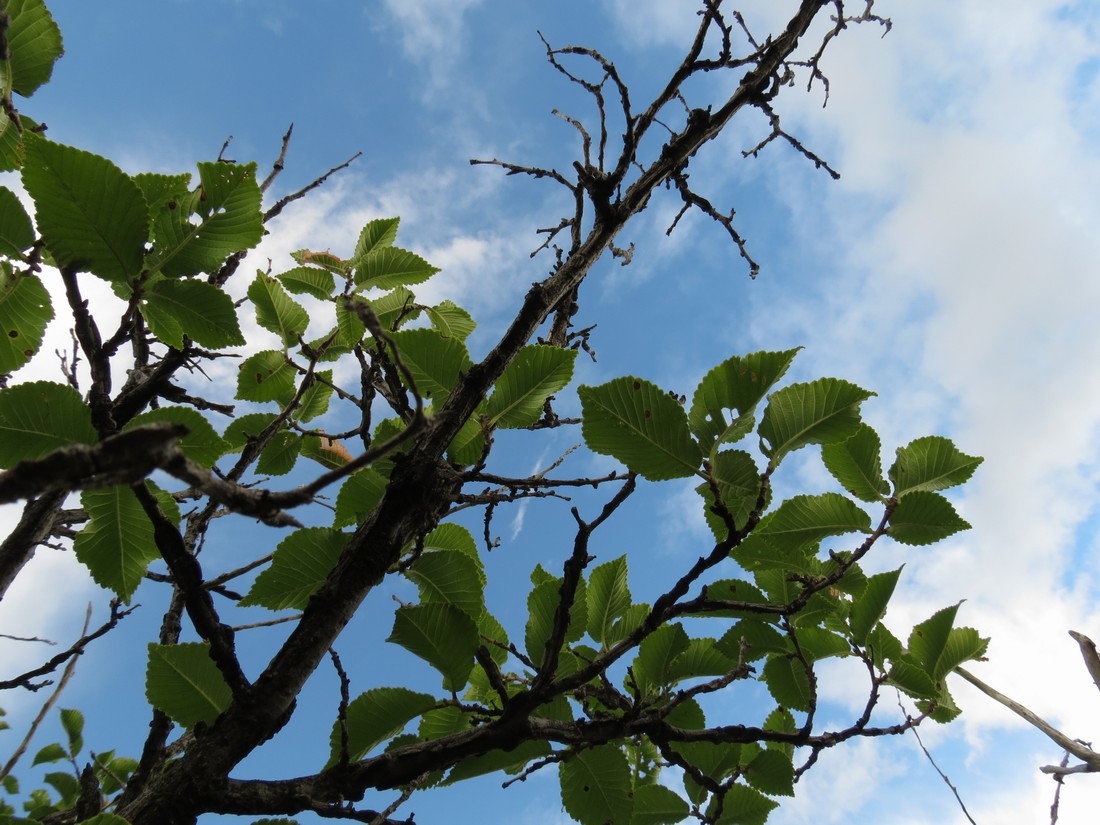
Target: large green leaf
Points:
(939, 647)
(201, 311)
(201, 444)
(34, 44)
(316, 399)
(595, 786)
(266, 376)
(302, 562)
(869, 608)
(536, 373)
(805, 520)
(183, 682)
(737, 384)
(542, 607)
(739, 484)
(276, 310)
(116, 545)
(657, 805)
(451, 320)
(379, 233)
(771, 771)
(308, 280)
(450, 577)
(656, 653)
(281, 454)
(38, 417)
(608, 598)
(857, 464)
(375, 716)
(434, 361)
(91, 215)
(199, 231)
(930, 463)
(16, 231)
(241, 429)
(745, 806)
(358, 496)
(442, 635)
(924, 518)
(640, 425)
(701, 658)
(25, 310)
(787, 681)
(390, 267)
(396, 308)
(821, 412)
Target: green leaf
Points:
(536, 373)
(358, 497)
(34, 44)
(315, 400)
(737, 384)
(116, 545)
(782, 720)
(451, 320)
(653, 665)
(375, 716)
(221, 217)
(939, 647)
(49, 754)
(280, 455)
(924, 518)
(657, 805)
(266, 376)
(930, 463)
(450, 577)
(439, 722)
(201, 311)
(746, 806)
(308, 280)
(608, 598)
(759, 637)
(302, 562)
(391, 267)
(542, 606)
(701, 658)
(66, 785)
(183, 682)
(468, 445)
(882, 645)
(396, 308)
(824, 411)
(913, 679)
(637, 423)
(434, 361)
(739, 484)
(868, 609)
(595, 786)
(73, 722)
(442, 635)
(16, 231)
(202, 444)
(787, 681)
(378, 234)
(857, 464)
(326, 260)
(25, 310)
(276, 310)
(771, 771)
(803, 521)
(160, 190)
(91, 215)
(497, 760)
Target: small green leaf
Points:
(939, 648)
(315, 400)
(378, 234)
(25, 310)
(924, 518)
(450, 577)
(868, 609)
(608, 598)
(221, 217)
(302, 562)
(91, 215)
(266, 376)
(73, 723)
(787, 681)
(637, 423)
(395, 308)
(358, 497)
(116, 545)
(771, 771)
(857, 464)
(66, 785)
(803, 521)
(536, 373)
(752, 640)
(657, 805)
(183, 682)
(542, 606)
(930, 463)
(434, 361)
(34, 44)
(201, 311)
(913, 679)
(16, 230)
(781, 720)
(202, 444)
(595, 786)
(391, 267)
(308, 280)
(280, 455)
(451, 320)
(656, 653)
(375, 716)
(497, 760)
(442, 635)
(49, 754)
(737, 384)
(238, 433)
(824, 411)
(701, 658)
(745, 806)
(276, 310)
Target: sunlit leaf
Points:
(451, 320)
(637, 423)
(280, 454)
(805, 520)
(608, 598)
(358, 496)
(745, 806)
(924, 518)
(442, 635)
(315, 400)
(25, 310)
(302, 562)
(868, 609)
(308, 280)
(821, 412)
(450, 577)
(16, 231)
(857, 464)
(34, 44)
(391, 267)
(377, 234)
(771, 771)
(375, 716)
(787, 681)
(183, 682)
(930, 463)
(276, 310)
(656, 653)
(194, 308)
(657, 805)
(434, 361)
(498, 760)
(595, 786)
(266, 376)
(536, 373)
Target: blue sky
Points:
(952, 269)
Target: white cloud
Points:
(432, 33)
